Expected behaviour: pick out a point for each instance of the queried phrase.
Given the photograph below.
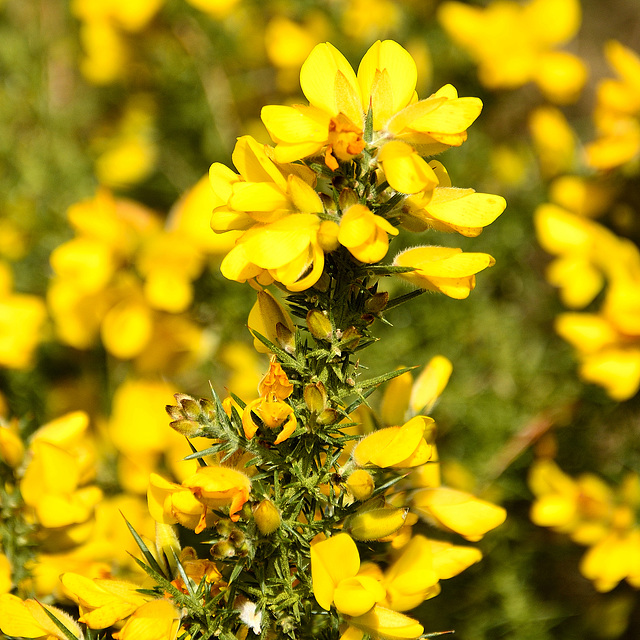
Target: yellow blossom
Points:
(514, 43)
(28, 619)
(451, 209)
(365, 234)
(397, 447)
(444, 269)
(155, 620)
(22, 317)
(412, 578)
(170, 503)
(339, 100)
(338, 582)
(218, 487)
(614, 558)
(271, 413)
(102, 602)
(458, 511)
(617, 113)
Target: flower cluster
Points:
(514, 44)
(364, 137)
(593, 514)
(590, 258)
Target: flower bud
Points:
(223, 549)
(319, 325)
(264, 317)
(188, 428)
(315, 397)
(377, 302)
(11, 447)
(328, 416)
(376, 523)
(350, 338)
(361, 484)
(190, 407)
(286, 338)
(267, 517)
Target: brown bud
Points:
(377, 302)
(350, 338)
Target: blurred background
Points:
(111, 113)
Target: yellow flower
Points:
(339, 100)
(405, 398)
(276, 206)
(514, 43)
(365, 234)
(56, 498)
(581, 508)
(450, 209)
(443, 269)
(553, 140)
(387, 624)
(218, 487)
(614, 558)
(22, 317)
(271, 413)
(170, 503)
(412, 578)
(155, 620)
(102, 602)
(28, 619)
(458, 511)
(397, 447)
(265, 316)
(335, 563)
(617, 113)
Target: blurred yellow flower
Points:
(457, 511)
(102, 602)
(22, 319)
(514, 43)
(28, 619)
(617, 112)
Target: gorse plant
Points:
(304, 506)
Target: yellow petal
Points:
(155, 620)
(430, 384)
(330, 84)
(251, 159)
(296, 125)
(404, 169)
(387, 76)
(464, 208)
(357, 595)
(16, 619)
(387, 624)
(459, 511)
(332, 560)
